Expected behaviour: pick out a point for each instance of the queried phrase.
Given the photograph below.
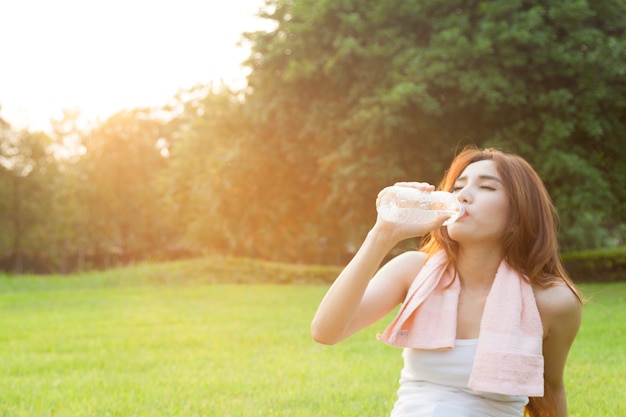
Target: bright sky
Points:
(102, 56)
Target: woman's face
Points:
(486, 201)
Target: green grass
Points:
(121, 343)
(596, 372)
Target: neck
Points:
(477, 266)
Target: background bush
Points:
(600, 265)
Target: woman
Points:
(488, 313)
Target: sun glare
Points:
(99, 57)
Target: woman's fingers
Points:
(424, 186)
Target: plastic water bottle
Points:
(411, 206)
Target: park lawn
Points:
(232, 350)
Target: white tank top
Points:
(433, 383)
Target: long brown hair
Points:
(530, 243)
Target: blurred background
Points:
(138, 131)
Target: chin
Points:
(455, 233)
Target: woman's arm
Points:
(360, 295)
(561, 312)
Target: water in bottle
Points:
(410, 206)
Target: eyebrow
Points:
(482, 177)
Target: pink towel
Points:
(508, 357)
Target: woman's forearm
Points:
(342, 300)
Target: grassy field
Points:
(119, 344)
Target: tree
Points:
(122, 166)
(206, 131)
(27, 171)
(344, 97)
(370, 92)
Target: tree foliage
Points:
(388, 90)
(344, 97)
(28, 175)
(205, 193)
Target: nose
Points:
(463, 195)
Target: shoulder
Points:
(412, 257)
(559, 307)
(405, 267)
(411, 260)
